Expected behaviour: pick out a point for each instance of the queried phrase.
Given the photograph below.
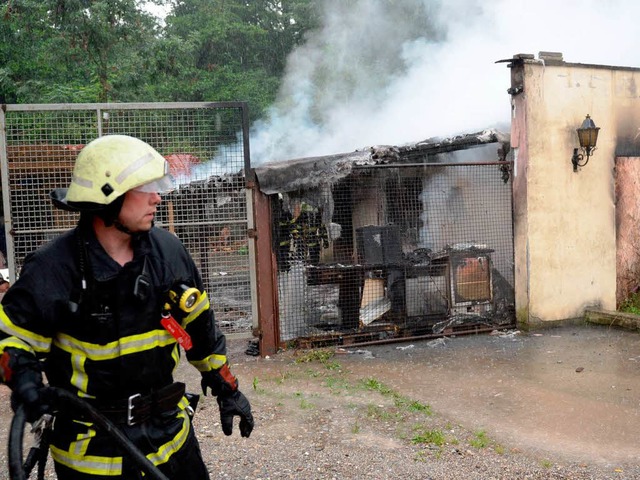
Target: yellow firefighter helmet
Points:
(110, 166)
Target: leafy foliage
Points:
(82, 51)
(435, 437)
(631, 304)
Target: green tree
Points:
(238, 48)
(105, 39)
(25, 38)
(56, 51)
(72, 50)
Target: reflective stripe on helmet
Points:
(84, 182)
(134, 167)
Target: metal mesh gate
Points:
(206, 145)
(407, 250)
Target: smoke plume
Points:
(400, 71)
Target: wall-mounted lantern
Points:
(588, 137)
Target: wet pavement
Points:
(570, 392)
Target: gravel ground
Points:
(318, 417)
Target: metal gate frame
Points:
(100, 114)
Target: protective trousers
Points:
(81, 452)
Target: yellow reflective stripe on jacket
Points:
(91, 464)
(80, 446)
(175, 356)
(79, 377)
(39, 343)
(201, 306)
(163, 454)
(212, 362)
(75, 459)
(13, 342)
(111, 350)
(183, 403)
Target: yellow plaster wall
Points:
(565, 237)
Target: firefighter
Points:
(314, 234)
(86, 310)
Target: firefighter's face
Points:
(138, 210)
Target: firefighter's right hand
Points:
(28, 390)
(235, 404)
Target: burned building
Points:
(392, 242)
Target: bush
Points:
(631, 304)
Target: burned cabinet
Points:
(379, 245)
(470, 281)
(456, 280)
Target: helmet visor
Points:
(161, 185)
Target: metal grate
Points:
(207, 148)
(396, 250)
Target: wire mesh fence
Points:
(207, 149)
(408, 250)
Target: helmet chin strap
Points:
(111, 213)
(110, 216)
(124, 229)
(121, 227)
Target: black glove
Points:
(28, 390)
(232, 405)
(231, 402)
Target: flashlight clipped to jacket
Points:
(182, 299)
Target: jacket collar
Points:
(102, 266)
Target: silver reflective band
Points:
(134, 167)
(161, 185)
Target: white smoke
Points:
(394, 72)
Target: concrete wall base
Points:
(628, 321)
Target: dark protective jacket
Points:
(101, 338)
(113, 344)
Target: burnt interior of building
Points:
(393, 242)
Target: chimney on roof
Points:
(524, 56)
(551, 57)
